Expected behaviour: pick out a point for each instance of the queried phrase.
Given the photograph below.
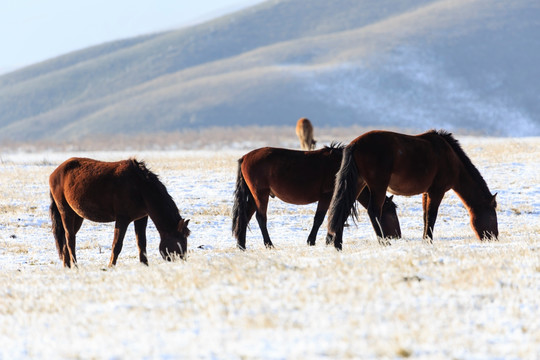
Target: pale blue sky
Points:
(36, 30)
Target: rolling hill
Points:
(415, 64)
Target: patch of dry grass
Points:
(410, 298)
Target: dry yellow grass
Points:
(457, 298)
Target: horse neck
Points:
(472, 190)
(161, 209)
(470, 185)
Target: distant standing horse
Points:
(123, 192)
(296, 177)
(430, 164)
(304, 131)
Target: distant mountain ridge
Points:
(454, 64)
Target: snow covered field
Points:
(458, 298)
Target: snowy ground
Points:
(458, 298)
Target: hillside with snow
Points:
(468, 66)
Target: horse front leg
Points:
(430, 204)
(140, 234)
(320, 213)
(120, 228)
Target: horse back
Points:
(409, 163)
(97, 190)
(85, 170)
(297, 177)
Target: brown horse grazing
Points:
(123, 192)
(304, 131)
(428, 164)
(296, 177)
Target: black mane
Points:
(157, 187)
(471, 169)
(335, 145)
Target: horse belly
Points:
(407, 186)
(295, 196)
(93, 211)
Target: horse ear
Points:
(391, 198)
(494, 200)
(182, 226)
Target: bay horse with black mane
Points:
(122, 191)
(296, 177)
(429, 164)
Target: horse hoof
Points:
(329, 239)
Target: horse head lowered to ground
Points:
(122, 191)
(429, 164)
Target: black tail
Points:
(345, 192)
(242, 196)
(57, 228)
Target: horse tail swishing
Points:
(343, 201)
(242, 200)
(57, 227)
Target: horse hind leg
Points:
(262, 220)
(250, 210)
(374, 209)
(261, 202)
(337, 239)
(72, 223)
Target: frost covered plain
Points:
(458, 298)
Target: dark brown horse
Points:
(296, 177)
(428, 164)
(123, 192)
